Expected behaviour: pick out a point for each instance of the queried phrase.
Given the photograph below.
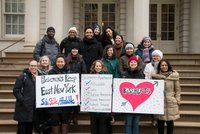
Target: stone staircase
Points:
(188, 66)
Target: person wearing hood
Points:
(24, 92)
(172, 96)
(71, 41)
(47, 46)
(91, 49)
(145, 50)
(134, 71)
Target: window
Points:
(14, 17)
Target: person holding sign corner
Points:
(99, 122)
(133, 72)
(171, 96)
(59, 115)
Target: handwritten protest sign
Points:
(138, 96)
(57, 90)
(96, 92)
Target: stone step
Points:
(6, 85)
(190, 87)
(5, 94)
(10, 71)
(190, 105)
(181, 56)
(189, 80)
(189, 96)
(8, 78)
(19, 54)
(186, 61)
(118, 127)
(13, 65)
(15, 59)
(181, 66)
(189, 73)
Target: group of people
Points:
(96, 53)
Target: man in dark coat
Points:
(47, 46)
(70, 42)
(91, 49)
(24, 91)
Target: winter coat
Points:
(25, 99)
(58, 110)
(171, 96)
(150, 69)
(76, 64)
(68, 43)
(91, 50)
(112, 66)
(47, 47)
(135, 74)
(140, 49)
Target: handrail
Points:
(11, 45)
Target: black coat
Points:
(68, 43)
(25, 100)
(91, 50)
(136, 74)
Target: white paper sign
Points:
(96, 92)
(138, 96)
(57, 90)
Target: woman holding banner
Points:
(133, 72)
(99, 122)
(171, 96)
(59, 115)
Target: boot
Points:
(55, 129)
(64, 129)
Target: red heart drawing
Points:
(136, 94)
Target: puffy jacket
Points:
(112, 66)
(47, 47)
(171, 96)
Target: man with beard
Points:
(91, 49)
(47, 46)
(70, 42)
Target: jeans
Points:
(132, 123)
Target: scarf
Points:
(145, 55)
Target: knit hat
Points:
(135, 58)
(72, 29)
(129, 45)
(50, 29)
(75, 46)
(158, 52)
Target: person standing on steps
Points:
(24, 92)
(172, 96)
(47, 46)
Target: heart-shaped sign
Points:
(136, 95)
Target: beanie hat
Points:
(158, 52)
(76, 46)
(129, 45)
(135, 58)
(50, 29)
(72, 29)
(144, 39)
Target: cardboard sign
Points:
(96, 92)
(138, 96)
(57, 90)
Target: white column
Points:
(32, 23)
(60, 16)
(195, 27)
(137, 20)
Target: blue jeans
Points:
(132, 123)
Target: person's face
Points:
(60, 62)
(129, 51)
(89, 34)
(98, 67)
(33, 67)
(74, 51)
(51, 34)
(156, 58)
(163, 66)
(133, 64)
(97, 31)
(118, 40)
(110, 52)
(147, 43)
(109, 32)
(44, 62)
(72, 34)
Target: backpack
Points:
(23, 83)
